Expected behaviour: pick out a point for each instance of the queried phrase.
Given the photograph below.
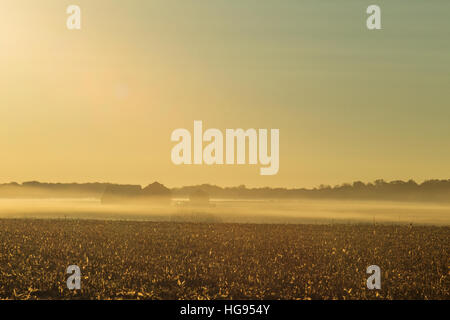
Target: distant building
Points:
(134, 194)
(156, 192)
(156, 189)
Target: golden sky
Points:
(99, 104)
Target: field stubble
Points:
(169, 260)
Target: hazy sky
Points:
(100, 104)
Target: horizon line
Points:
(320, 186)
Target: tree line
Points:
(398, 190)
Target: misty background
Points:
(396, 202)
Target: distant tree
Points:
(358, 185)
(379, 182)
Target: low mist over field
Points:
(400, 202)
(251, 211)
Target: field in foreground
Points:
(164, 260)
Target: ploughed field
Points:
(168, 260)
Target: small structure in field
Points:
(157, 192)
(134, 194)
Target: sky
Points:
(100, 103)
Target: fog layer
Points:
(273, 211)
